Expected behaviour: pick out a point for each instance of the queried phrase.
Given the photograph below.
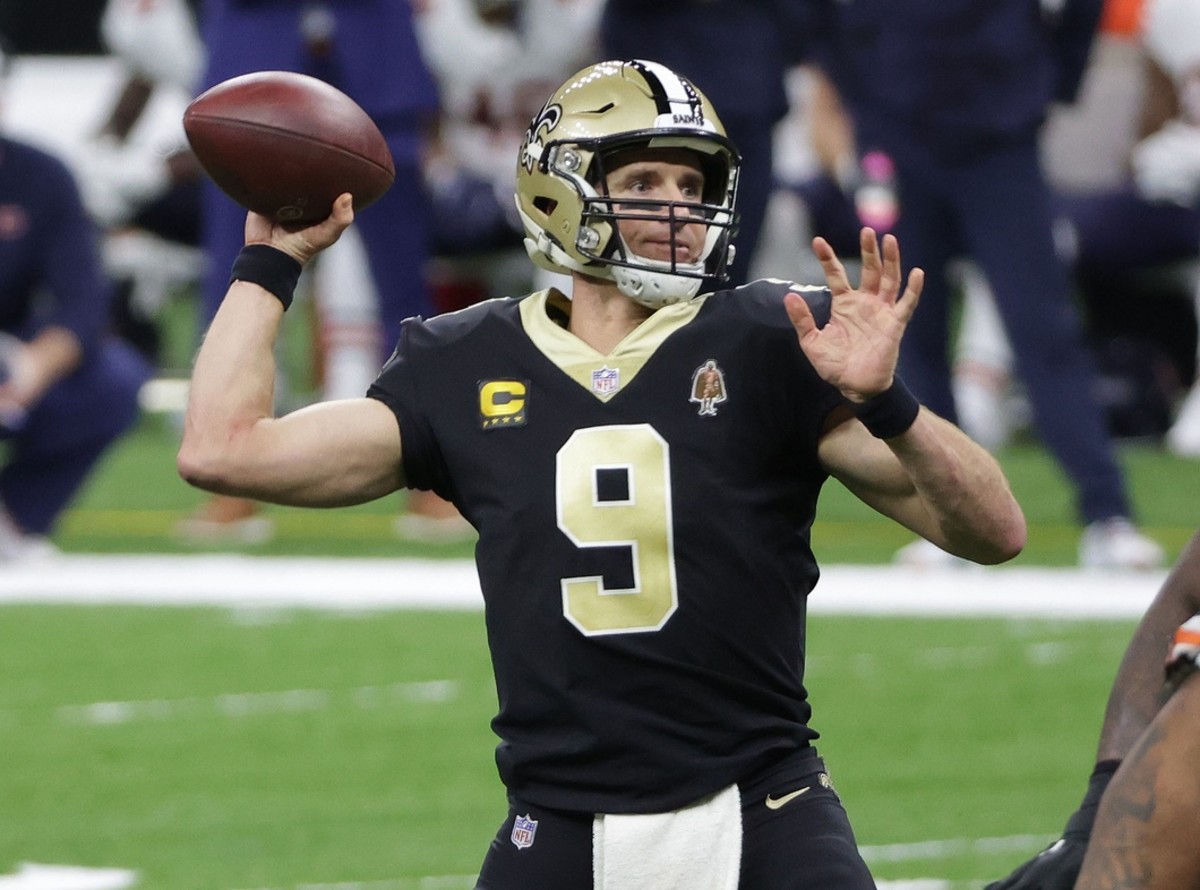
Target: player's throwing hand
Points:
(301, 244)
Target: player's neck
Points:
(602, 316)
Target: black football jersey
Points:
(644, 521)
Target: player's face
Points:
(662, 176)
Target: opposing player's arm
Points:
(1149, 789)
(328, 454)
(933, 480)
(1146, 833)
(1136, 692)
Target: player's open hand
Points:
(858, 348)
(304, 243)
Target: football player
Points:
(1138, 825)
(644, 559)
(1166, 164)
(67, 389)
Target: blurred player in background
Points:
(738, 52)
(1125, 168)
(1166, 164)
(67, 388)
(495, 61)
(369, 50)
(947, 102)
(1138, 827)
(644, 558)
(140, 182)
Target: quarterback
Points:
(642, 459)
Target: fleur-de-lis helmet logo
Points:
(531, 149)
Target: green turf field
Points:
(136, 496)
(238, 751)
(212, 749)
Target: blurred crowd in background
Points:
(1081, 195)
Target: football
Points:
(286, 145)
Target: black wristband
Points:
(891, 412)
(269, 268)
(1079, 826)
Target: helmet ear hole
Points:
(545, 205)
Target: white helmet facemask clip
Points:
(658, 283)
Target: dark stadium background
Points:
(57, 27)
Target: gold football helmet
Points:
(571, 223)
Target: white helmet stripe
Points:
(678, 101)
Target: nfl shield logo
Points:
(523, 831)
(606, 380)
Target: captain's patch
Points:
(503, 403)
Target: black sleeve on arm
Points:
(398, 387)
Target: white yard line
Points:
(35, 876)
(366, 584)
(254, 704)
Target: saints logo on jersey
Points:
(708, 388)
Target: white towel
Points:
(698, 847)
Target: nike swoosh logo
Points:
(774, 803)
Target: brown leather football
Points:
(286, 145)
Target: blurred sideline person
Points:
(1119, 162)
(947, 101)
(142, 184)
(495, 61)
(139, 180)
(642, 461)
(1139, 823)
(1166, 164)
(738, 52)
(68, 389)
(369, 50)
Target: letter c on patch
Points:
(502, 403)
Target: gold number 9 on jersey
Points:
(635, 514)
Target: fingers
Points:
(907, 304)
(317, 237)
(831, 266)
(257, 227)
(343, 209)
(882, 273)
(872, 267)
(880, 264)
(339, 218)
(890, 273)
(800, 314)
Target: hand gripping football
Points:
(286, 145)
